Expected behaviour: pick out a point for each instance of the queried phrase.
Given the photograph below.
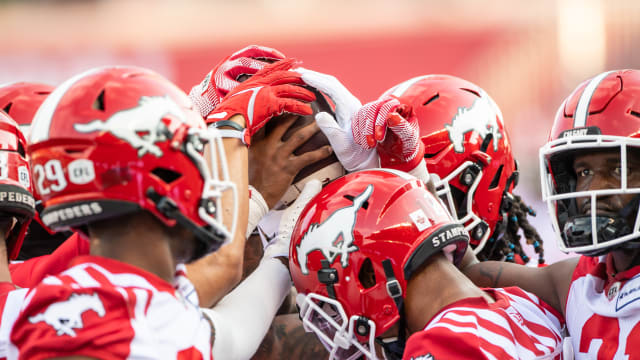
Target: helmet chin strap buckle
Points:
(328, 276)
(208, 241)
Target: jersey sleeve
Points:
(60, 321)
(586, 265)
(439, 343)
(29, 273)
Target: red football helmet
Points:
(115, 140)
(603, 113)
(15, 183)
(382, 224)
(467, 148)
(21, 100)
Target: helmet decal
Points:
(128, 124)
(480, 117)
(334, 236)
(582, 110)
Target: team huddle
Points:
(269, 214)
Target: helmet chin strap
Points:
(208, 241)
(393, 350)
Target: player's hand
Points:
(226, 75)
(272, 162)
(392, 128)
(338, 129)
(270, 92)
(280, 246)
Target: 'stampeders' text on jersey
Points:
(106, 309)
(602, 314)
(517, 325)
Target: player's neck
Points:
(625, 259)
(435, 286)
(144, 244)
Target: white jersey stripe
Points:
(498, 320)
(582, 109)
(488, 355)
(499, 339)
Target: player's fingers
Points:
(281, 125)
(396, 121)
(380, 127)
(258, 52)
(300, 136)
(371, 140)
(296, 107)
(308, 158)
(293, 92)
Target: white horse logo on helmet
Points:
(480, 117)
(140, 126)
(334, 236)
(67, 315)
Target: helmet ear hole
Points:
(21, 150)
(367, 276)
(166, 175)
(98, 104)
(496, 178)
(431, 99)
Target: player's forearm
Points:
(216, 274)
(497, 274)
(242, 318)
(287, 339)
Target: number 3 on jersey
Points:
(603, 335)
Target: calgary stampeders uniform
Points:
(107, 309)
(517, 325)
(603, 311)
(30, 272)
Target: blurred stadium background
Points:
(527, 54)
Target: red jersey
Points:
(603, 311)
(29, 273)
(107, 309)
(517, 325)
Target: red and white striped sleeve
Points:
(443, 343)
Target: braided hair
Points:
(504, 244)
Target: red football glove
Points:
(392, 128)
(224, 76)
(270, 92)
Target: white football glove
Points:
(280, 246)
(338, 130)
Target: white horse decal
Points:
(334, 236)
(140, 126)
(480, 117)
(67, 315)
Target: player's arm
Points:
(247, 108)
(216, 274)
(287, 339)
(550, 283)
(243, 317)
